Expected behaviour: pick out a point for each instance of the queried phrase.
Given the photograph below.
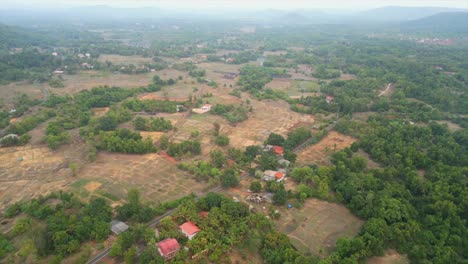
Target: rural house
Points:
(168, 248)
(271, 175)
(278, 150)
(189, 229)
(329, 99)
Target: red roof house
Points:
(279, 176)
(329, 99)
(278, 150)
(189, 229)
(168, 248)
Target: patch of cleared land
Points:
(389, 89)
(390, 257)
(268, 116)
(451, 126)
(319, 153)
(119, 59)
(29, 171)
(317, 225)
(156, 178)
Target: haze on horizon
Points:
(241, 4)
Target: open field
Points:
(268, 116)
(389, 257)
(85, 80)
(319, 153)
(119, 59)
(29, 171)
(317, 225)
(295, 88)
(156, 178)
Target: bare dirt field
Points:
(118, 59)
(268, 116)
(317, 225)
(155, 136)
(29, 171)
(85, 80)
(389, 257)
(319, 153)
(100, 111)
(156, 178)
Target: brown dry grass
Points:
(118, 59)
(155, 136)
(156, 178)
(100, 111)
(319, 153)
(92, 186)
(267, 117)
(317, 225)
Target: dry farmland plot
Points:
(29, 171)
(317, 225)
(319, 153)
(118, 59)
(268, 116)
(157, 179)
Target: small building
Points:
(58, 72)
(206, 107)
(329, 99)
(189, 229)
(267, 148)
(87, 66)
(118, 227)
(168, 248)
(54, 54)
(271, 175)
(278, 150)
(81, 56)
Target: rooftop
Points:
(189, 228)
(168, 246)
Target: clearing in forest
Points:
(316, 226)
(319, 153)
(389, 89)
(390, 257)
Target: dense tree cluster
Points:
(66, 223)
(152, 124)
(184, 147)
(234, 114)
(125, 141)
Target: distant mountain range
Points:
(90, 14)
(398, 13)
(447, 22)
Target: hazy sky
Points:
(256, 4)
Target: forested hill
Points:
(400, 13)
(447, 22)
(15, 37)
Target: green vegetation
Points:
(152, 124)
(232, 113)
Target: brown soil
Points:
(320, 152)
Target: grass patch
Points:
(80, 183)
(109, 196)
(306, 86)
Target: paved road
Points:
(153, 223)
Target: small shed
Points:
(118, 227)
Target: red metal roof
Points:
(168, 246)
(189, 228)
(278, 150)
(279, 175)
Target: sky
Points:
(240, 4)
